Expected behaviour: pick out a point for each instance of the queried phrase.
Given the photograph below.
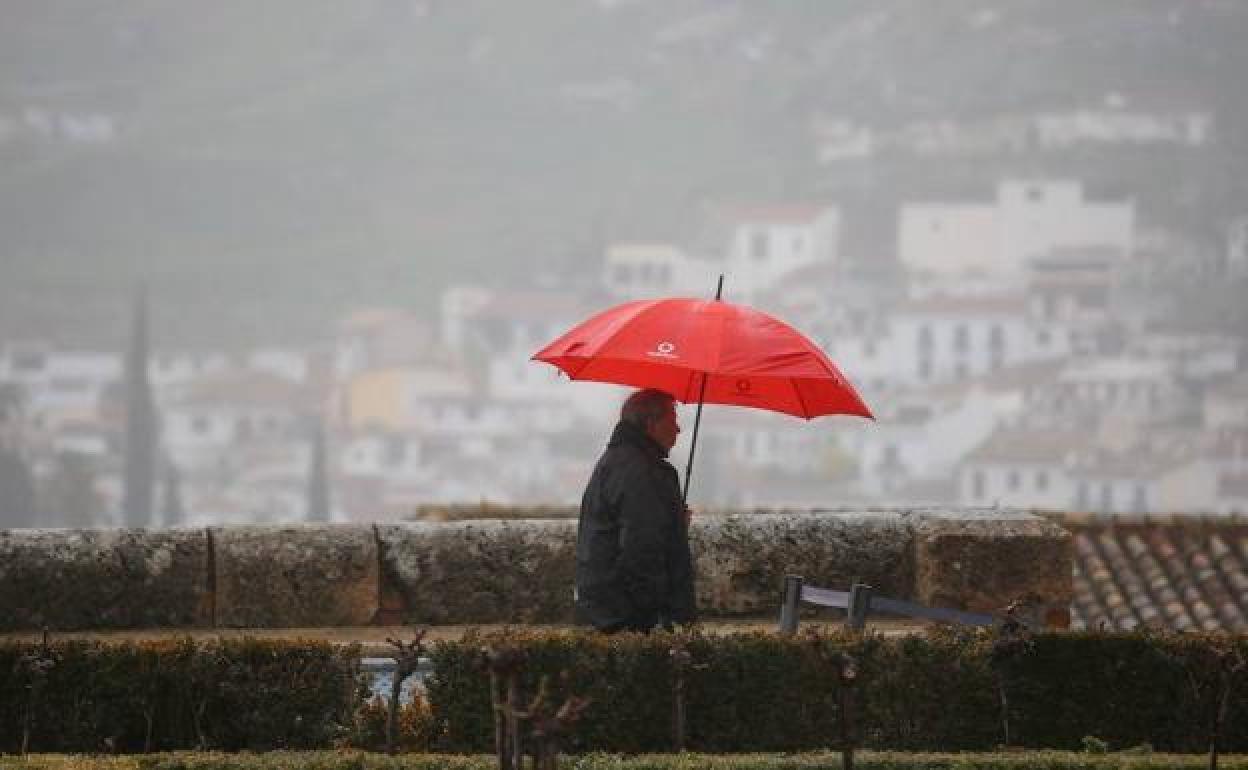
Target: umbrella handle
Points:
(697, 420)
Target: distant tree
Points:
(69, 497)
(11, 400)
(318, 477)
(17, 491)
(12, 408)
(140, 436)
(171, 496)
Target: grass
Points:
(356, 760)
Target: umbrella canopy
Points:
(746, 357)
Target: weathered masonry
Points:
(511, 570)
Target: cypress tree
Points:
(318, 478)
(171, 496)
(140, 435)
(17, 491)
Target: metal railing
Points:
(860, 601)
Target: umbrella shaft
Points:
(693, 446)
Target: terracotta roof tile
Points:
(1170, 571)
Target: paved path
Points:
(373, 638)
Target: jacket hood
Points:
(626, 433)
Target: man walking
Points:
(633, 567)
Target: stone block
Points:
(982, 561)
(484, 571)
(297, 576)
(70, 580)
(741, 560)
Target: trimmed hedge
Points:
(815, 761)
(941, 691)
(242, 694)
(745, 692)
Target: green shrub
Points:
(939, 691)
(244, 694)
(745, 692)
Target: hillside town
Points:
(1020, 350)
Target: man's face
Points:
(664, 430)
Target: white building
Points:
(1021, 469)
(1027, 219)
(1143, 390)
(944, 339)
(768, 243)
(646, 270)
(59, 386)
(206, 421)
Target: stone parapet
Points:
(982, 561)
(741, 560)
(296, 576)
(484, 571)
(82, 579)
(510, 570)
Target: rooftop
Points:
(1178, 572)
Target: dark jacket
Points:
(633, 567)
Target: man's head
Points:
(655, 413)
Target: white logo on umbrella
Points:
(663, 350)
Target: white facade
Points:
(947, 340)
(648, 270)
(59, 386)
(1143, 389)
(397, 456)
(1027, 219)
(166, 370)
(767, 245)
(1015, 484)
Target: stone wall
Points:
(510, 570)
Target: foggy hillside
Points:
(264, 166)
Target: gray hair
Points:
(646, 406)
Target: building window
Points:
(868, 349)
(1012, 481)
(199, 425)
(1081, 496)
(959, 370)
(961, 338)
(623, 275)
(1042, 481)
(925, 368)
(1044, 337)
(758, 245)
(996, 338)
(1139, 502)
(925, 337)
(977, 485)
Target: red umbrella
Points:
(705, 351)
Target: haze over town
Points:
(1019, 228)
